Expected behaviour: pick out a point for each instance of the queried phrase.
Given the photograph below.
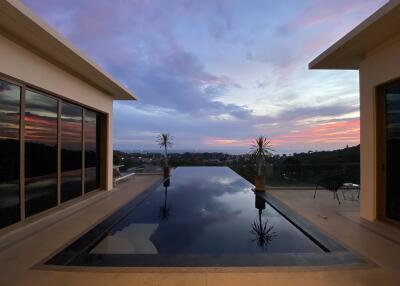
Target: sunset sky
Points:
(216, 74)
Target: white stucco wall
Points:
(380, 66)
(21, 63)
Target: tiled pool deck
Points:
(21, 256)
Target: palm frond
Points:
(261, 147)
(264, 234)
(165, 140)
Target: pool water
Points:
(204, 210)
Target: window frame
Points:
(24, 86)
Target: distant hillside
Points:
(346, 155)
(307, 168)
(298, 169)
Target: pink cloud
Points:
(226, 142)
(342, 132)
(323, 11)
(337, 133)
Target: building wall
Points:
(22, 64)
(380, 66)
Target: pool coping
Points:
(306, 227)
(77, 252)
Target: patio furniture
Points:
(116, 173)
(331, 182)
(118, 176)
(350, 191)
(124, 177)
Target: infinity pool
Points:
(200, 216)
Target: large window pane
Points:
(40, 152)
(71, 151)
(393, 151)
(10, 95)
(92, 152)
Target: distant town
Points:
(298, 169)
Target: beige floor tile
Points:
(378, 242)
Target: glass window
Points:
(10, 96)
(71, 151)
(393, 151)
(41, 113)
(92, 151)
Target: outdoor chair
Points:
(351, 192)
(331, 182)
(116, 175)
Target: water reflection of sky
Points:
(41, 119)
(90, 130)
(9, 110)
(393, 114)
(41, 114)
(71, 126)
(211, 210)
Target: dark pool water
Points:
(204, 210)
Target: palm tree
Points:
(260, 150)
(164, 140)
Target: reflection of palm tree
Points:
(165, 210)
(262, 232)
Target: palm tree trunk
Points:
(166, 156)
(259, 167)
(165, 199)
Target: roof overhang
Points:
(19, 24)
(350, 51)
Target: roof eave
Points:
(18, 19)
(348, 52)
